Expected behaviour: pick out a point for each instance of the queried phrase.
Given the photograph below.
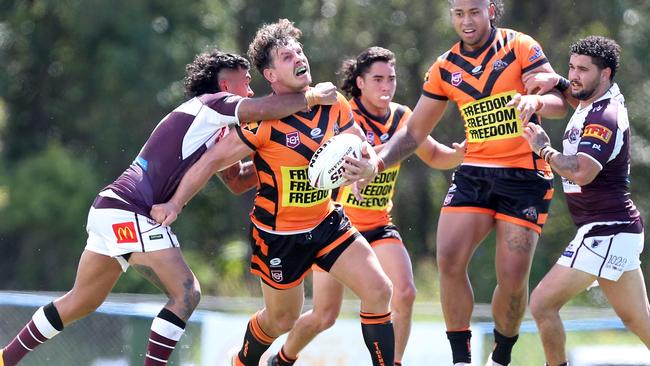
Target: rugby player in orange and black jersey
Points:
(370, 79)
(293, 225)
(501, 183)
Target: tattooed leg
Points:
(515, 248)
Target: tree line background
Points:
(83, 83)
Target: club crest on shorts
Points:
(456, 78)
(276, 275)
(531, 214)
(293, 139)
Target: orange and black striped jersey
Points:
(481, 83)
(374, 211)
(285, 202)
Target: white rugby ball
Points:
(326, 165)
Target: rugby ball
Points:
(326, 165)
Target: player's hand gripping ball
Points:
(326, 165)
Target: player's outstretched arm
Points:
(544, 82)
(550, 104)
(579, 169)
(280, 106)
(440, 156)
(240, 177)
(224, 153)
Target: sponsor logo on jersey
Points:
(538, 53)
(142, 162)
(499, 65)
(296, 190)
(598, 131)
(596, 243)
(491, 118)
(293, 139)
(456, 78)
(337, 128)
(155, 237)
(125, 232)
(275, 262)
(377, 194)
(596, 147)
(384, 137)
(316, 132)
(252, 126)
(477, 70)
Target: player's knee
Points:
(194, 295)
(540, 308)
(284, 322)
(450, 264)
(327, 320)
(404, 297)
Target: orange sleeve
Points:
(347, 118)
(433, 83)
(529, 53)
(254, 134)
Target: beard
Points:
(584, 94)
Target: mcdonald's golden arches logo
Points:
(125, 232)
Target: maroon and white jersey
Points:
(178, 141)
(601, 132)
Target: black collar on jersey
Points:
(363, 109)
(475, 54)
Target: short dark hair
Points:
(268, 37)
(202, 75)
(604, 52)
(499, 11)
(353, 67)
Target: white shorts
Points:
(603, 253)
(114, 233)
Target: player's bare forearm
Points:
(565, 165)
(279, 106)
(193, 181)
(554, 105)
(240, 177)
(440, 156)
(402, 145)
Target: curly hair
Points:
(499, 11)
(351, 68)
(267, 38)
(604, 52)
(202, 75)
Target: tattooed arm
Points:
(240, 177)
(579, 169)
(425, 117)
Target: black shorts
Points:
(519, 196)
(382, 235)
(282, 261)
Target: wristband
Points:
(312, 98)
(562, 84)
(547, 153)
